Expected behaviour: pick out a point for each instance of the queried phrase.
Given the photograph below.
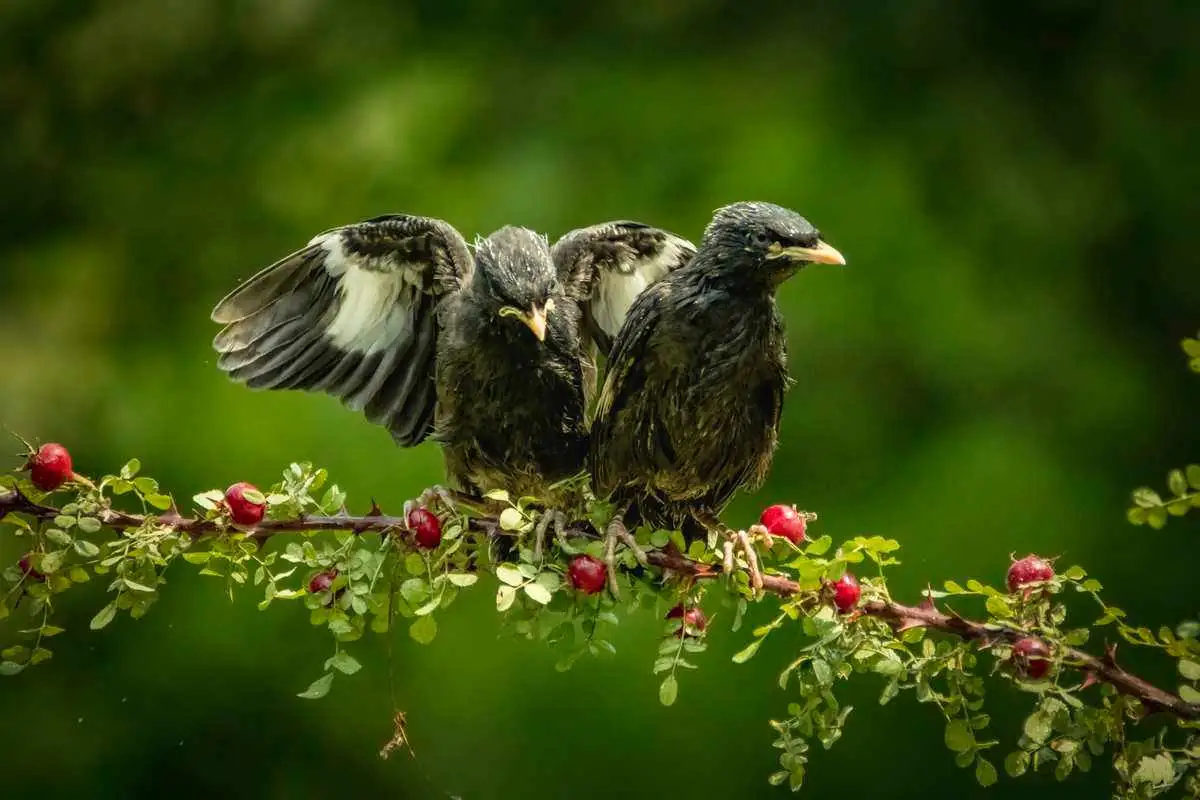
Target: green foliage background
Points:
(1014, 186)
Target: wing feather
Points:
(352, 314)
(607, 266)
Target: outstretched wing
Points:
(605, 267)
(352, 314)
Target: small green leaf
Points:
(1159, 770)
(85, 548)
(1189, 693)
(822, 672)
(131, 468)
(10, 667)
(1037, 727)
(507, 573)
(819, 546)
(423, 630)
(997, 606)
(499, 495)
(959, 737)
(414, 564)
(747, 653)
(552, 581)
(1016, 763)
(140, 587)
(51, 561)
(505, 596)
(197, 557)
(318, 688)
(668, 690)
(160, 501)
(462, 579)
(89, 525)
(209, 500)
(659, 539)
(1189, 669)
(343, 662)
(953, 588)
(1146, 497)
(58, 537)
(105, 616)
(985, 773)
(538, 593)
(1193, 475)
(511, 519)
(1176, 482)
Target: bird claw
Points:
(741, 541)
(615, 532)
(549, 517)
(439, 493)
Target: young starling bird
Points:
(487, 354)
(690, 407)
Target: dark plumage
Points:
(489, 355)
(511, 406)
(690, 407)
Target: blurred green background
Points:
(1014, 185)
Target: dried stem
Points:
(899, 616)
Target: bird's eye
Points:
(760, 238)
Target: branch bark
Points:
(898, 615)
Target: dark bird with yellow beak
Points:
(488, 355)
(690, 407)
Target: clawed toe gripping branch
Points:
(355, 574)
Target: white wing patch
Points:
(616, 290)
(376, 305)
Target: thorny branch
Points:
(899, 616)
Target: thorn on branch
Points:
(927, 603)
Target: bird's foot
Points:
(743, 542)
(434, 495)
(617, 532)
(549, 517)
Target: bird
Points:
(690, 406)
(489, 354)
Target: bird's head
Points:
(771, 240)
(515, 278)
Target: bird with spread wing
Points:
(691, 403)
(492, 355)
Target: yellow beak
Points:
(821, 253)
(536, 321)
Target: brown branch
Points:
(899, 616)
(902, 617)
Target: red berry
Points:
(322, 581)
(426, 528)
(1030, 569)
(1032, 657)
(785, 521)
(587, 574)
(26, 567)
(50, 466)
(692, 617)
(846, 592)
(246, 503)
